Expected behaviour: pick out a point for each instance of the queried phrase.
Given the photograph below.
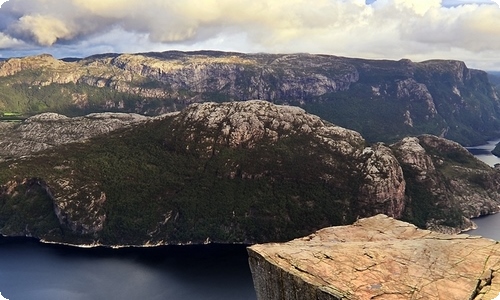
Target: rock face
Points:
(377, 258)
(239, 172)
(48, 130)
(383, 100)
(444, 179)
(384, 184)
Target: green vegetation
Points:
(11, 117)
(29, 206)
(161, 186)
(169, 181)
(359, 109)
(433, 198)
(269, 192)
(382, 99)
(424, 206)
(10, 114)
(73, 99)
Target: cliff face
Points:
(377, 258)
(232, 172)
(384, 100)
(444, 183)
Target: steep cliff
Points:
(377, 258)
(239, 172)
(384, 100)
(446, 185)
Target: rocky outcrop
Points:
(413, 155)
(244, 124)
(379, 185)
(444, 177)
(81, 217)
(384, 187)
(79, 208)
(384, 100)
(377, 258)
(48, 130)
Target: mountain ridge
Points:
(238, 172)
(440, 97)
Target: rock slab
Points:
(377, 258)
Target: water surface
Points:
(488, 226)
(483, 152)
(30, 270)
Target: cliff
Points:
(377, 258)
(446, 185)
(383, 100)
(239, 172)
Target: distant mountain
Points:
(494, 78)
(239, 172)
(384, 100)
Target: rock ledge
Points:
(377, 258)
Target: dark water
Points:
(483, 152)
(488, 226)
(30, 270)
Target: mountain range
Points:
(383, 100)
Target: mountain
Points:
(238, 172)
(494, 78)
(383, 100)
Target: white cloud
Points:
(416, 29)
(2, 298)
(9, 42)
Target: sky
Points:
(467, 30)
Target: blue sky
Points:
(391, 29)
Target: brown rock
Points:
(377, 258)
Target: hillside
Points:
(240, 172)
(383, 100)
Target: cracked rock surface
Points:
(377, 258)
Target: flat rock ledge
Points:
(377, 258)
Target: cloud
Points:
(42, 29)
(7, 42)
(381, 29)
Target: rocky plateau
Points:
(48, 130)
(377, 258)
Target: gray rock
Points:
(48, 130)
